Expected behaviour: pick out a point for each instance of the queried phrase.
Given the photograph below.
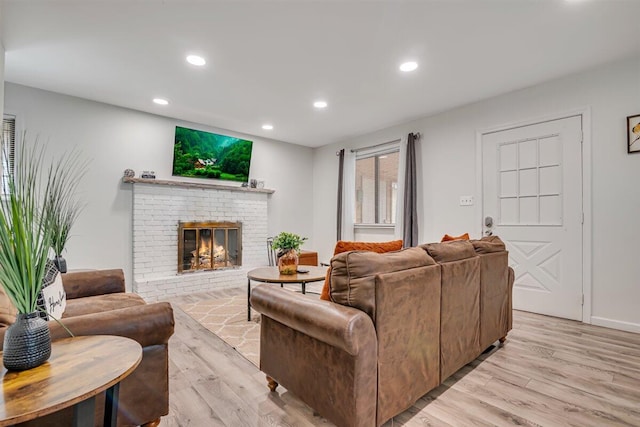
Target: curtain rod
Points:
(355, 150)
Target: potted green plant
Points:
(65, 208)
(288, 246)
(26, 215)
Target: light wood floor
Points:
(550, 372)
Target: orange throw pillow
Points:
(447, 238)
(345, 246)
(378, 247)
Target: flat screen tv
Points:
(200, 154)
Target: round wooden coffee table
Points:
(79, 368)
(272, 275)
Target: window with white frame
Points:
(377, 185)
(7, 153)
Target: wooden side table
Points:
(272, 275)
(79, 369)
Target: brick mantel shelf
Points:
(186, 184)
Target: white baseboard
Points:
(615, 324)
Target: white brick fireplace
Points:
(158, 207)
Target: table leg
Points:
(84, 413)
(111, 406)
(248, 300)
(304, 288)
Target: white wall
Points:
(116, 139)
(447, 170)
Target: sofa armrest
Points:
(340, 326)
(149, 324)
(90, 283)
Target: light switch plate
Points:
(466, 200)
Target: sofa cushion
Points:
(488, 245)
(448, 238)
(101, 303)
(450, 251)
(353, 274)
(345, 246)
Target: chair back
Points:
(271, 253)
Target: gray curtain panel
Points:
(410, 213)
(340, 155)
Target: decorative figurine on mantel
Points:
(129, 173)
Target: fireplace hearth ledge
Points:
(160, 288)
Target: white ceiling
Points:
(269, 60)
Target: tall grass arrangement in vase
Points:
(26, 236)
(64, 204)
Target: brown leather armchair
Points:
(97, 304)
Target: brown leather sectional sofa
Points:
(98, 305)
(398, 325)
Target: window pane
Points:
(7, 152)
(376, 189)
(387, 187)
(365, 191)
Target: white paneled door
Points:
(532, 199)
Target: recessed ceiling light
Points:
(196, 60)
(160, 101)
(320, 104)
(267, 127)
(408, 66)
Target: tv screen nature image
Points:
(202, 154)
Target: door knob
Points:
(488, 222)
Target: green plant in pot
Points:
(26, 215)
(65, 207)
(288, 246)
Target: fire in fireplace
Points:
(209, 245)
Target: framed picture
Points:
(633, 134)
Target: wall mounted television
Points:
(200, 154)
